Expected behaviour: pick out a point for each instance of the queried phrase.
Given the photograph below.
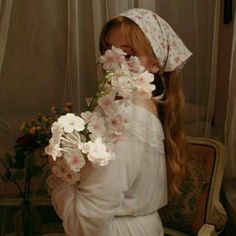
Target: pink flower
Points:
(144, 79)
(63, 171)
(144, 86)
(105, 102)
(97, 126)
(134, 65)
(88, 116)
(53, 150)
(60, 167)
(57, 131)
(75, 160)
(112, 58)
(123, 86)
(115, 122)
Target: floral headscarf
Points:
(167, 46)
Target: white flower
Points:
(88, 115)
(118, 51)
(105, 102)
(123, 86)
(115, 122)
(75, 159)
(70, 122)
(144, 86)
(57, 131)
(112, 58)
(97, 152)
(97, 126)
(57, 128)
(62, 171)
(144, 79)
(134, 65)
(53, 150)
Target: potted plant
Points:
(21, 167)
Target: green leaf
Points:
(7, 177)
(8, 159)
(18, 175)
(36, 171)
(18, 165)
(29, 160)
(4, 178)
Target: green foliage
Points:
(18, 175)
(8, 160)
(21, 166)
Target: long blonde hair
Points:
(170, 108)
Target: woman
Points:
(123, 198)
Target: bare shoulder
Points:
(149, 105)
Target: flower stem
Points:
(25, 186)
(76, 138)
(12, 180)
(69, 140)
(95, 98)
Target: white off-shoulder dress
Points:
(123, 198)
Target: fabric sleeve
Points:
(86, 208)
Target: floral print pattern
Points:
(186, 212)
(167, 46)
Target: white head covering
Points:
(167, 46)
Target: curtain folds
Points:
(230, 142)
(5, 15)
(52, 47)
(80, 78)
(82, 70)
(30, 42)
(230, 125)
(72, 84)
(201, 37)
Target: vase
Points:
(27, 221)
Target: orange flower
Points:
(32, 130)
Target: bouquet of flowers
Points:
(92, 135)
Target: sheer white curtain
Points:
(85, 20)
(5, 15)
(197, 23)
(230, 126)
(80, 78)
(52, 48)
(81, 23)
(33, 50)
(230, 131)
